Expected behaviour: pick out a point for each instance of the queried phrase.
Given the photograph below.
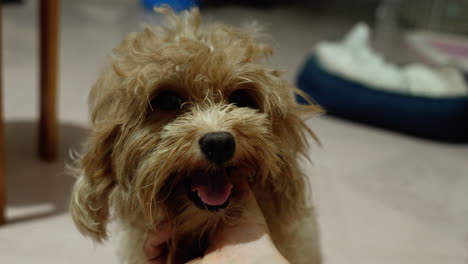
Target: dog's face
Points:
(183, 120)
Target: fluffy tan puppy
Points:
(183, 118)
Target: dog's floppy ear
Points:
(89, 205)
(292, 133)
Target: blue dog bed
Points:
(444, 119)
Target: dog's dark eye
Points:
(167, 101)
(242, 98)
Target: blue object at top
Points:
(177, 5)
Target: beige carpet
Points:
(382, 197)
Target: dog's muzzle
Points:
(211, 189)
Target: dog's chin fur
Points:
(138, 158)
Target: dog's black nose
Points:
(218, 147)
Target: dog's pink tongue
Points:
(213, 191)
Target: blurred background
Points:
(390, 179)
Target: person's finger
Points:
(155, 245)
(252, 213)
(250, 227)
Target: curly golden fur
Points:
(138, 156)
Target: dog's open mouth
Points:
(210, 190)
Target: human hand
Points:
(245, 242)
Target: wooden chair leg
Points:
(48, 134)
(2, 141)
